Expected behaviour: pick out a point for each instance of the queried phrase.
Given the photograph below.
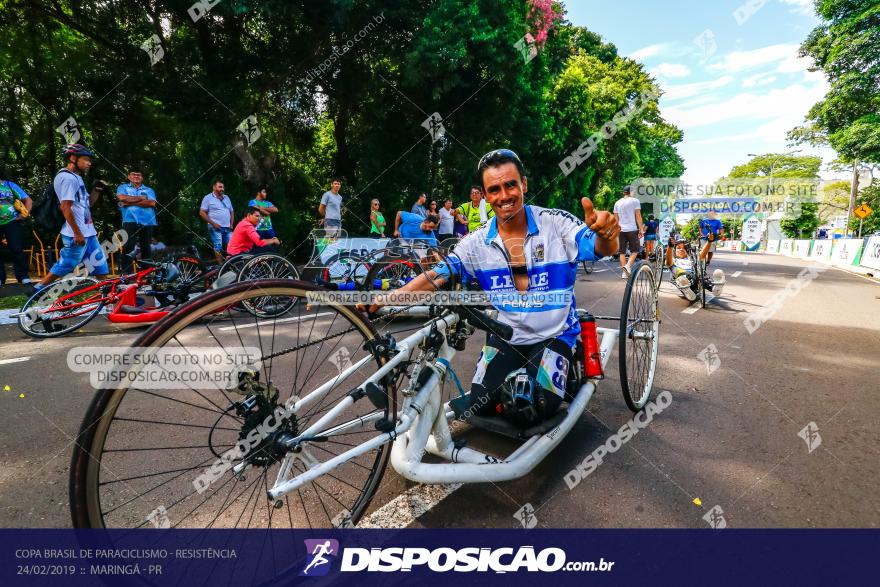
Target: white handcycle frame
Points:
(421, 426)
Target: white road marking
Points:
(695, 306)
(10, 361)
(737, 274)
(407, 507)
(269, 322)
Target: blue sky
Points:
(729, 70)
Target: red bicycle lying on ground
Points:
(71, 303)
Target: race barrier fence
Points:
(841, 252)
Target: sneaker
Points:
(624, 274)
(26, 281)
(626, 270)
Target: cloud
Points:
(804, 7)
(743, 60)
(784, 107)
(677, 92)
(758, 80)
(671, 70)
(646, 52)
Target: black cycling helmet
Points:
(77, 150)
(498, 157)
(522, 400)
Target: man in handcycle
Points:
(684, 277)
(524, 250)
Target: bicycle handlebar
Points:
(481, 320)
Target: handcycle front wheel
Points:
(44, 316)
(639, 336)
(141, 449)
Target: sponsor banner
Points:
(751, 233)
(434, 557)
(822, 250)
(666, 228)
(359, 245)
(846, 251)
(871, 253)
(801, 248)
(773, 246)
(787, 247)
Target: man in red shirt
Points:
(245, 238)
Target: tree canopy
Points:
(340, 88)
(846, 47)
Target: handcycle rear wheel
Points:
(267, 266)
(639, 336)
(35, 319)
(138, 449)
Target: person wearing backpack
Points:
(78, 232)
(15, 206)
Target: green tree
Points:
(803, 225)
(846, 46)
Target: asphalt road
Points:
(728, 439)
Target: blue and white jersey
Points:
(554, 246)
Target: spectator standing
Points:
(629, 215)
(138, 205)
(419, 206)
(446, 227)
(78, 233)
(216, 210)
(330, 210)
(651, 227)
(15, 206)
(377, 220)
(264, 227)
(477, 212)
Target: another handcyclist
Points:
(524, 250)
(683, 274)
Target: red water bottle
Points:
(590, 342)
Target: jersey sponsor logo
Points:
(536, 281)
(538, 252)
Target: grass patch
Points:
(11, 302)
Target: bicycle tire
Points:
(26, 322)
(702, 283)
(639, 336)
(396, 268)
(91, 454)
(267, 266)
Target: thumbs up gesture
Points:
(604, 224)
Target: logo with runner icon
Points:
(321, 552)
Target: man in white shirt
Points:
(628, 212)
(78, 233)
(216, 210)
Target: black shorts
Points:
(628, 239)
